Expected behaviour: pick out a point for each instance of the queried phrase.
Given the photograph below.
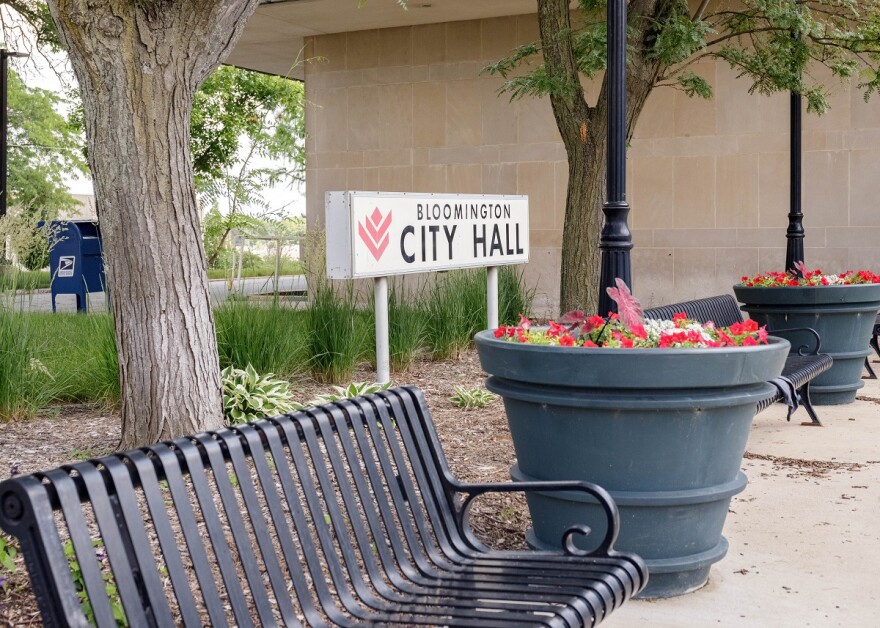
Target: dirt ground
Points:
(476, 443)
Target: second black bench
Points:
(800, 368)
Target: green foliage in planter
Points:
(248, 396)
(471, 398)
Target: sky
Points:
(37, 71)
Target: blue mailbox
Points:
(76, 260)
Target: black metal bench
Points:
(800, 368)
(875, 344)
(346, 514)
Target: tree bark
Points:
(584, 131)
(138, 65)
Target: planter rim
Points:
(618, 368)
(868, 293)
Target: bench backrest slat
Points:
(721, 310)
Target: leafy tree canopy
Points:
(43, 148)
(773, 43)
(239, 110)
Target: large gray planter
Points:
(844, 317)
(664, 430)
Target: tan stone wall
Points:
(408, 109)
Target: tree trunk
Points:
(138, 65)
(584, 131)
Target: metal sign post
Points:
(492, 296)
(383, 351)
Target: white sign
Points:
(65, 265)
(378, 234)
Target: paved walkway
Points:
(804, 535)
(41, 300)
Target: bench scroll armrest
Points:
(803, 349)
(605, 548)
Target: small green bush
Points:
(456, 310)
(515, 298)
(470, 398)
(269, 338)
(248, 396)
(354, 389)
(26, 384)
(337, 332)
(80, 352)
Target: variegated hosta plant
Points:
(248, 396)
(354, 389)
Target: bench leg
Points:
(804, 394)
(876, 344)
(871, 373)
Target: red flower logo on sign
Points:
(374, 232)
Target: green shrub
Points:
(514, 297)
(354, 389)
(337, 332)
(80, 352)
(12, 279)
(407, 329)
(248, 396)
(456, 310)
(269, 338)
(470, 398)
(26, 383)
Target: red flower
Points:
(639, 331)
(749, 341)
(626, 342)
(566, 341)
(590, 344)
(501, 331)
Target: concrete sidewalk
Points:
(804, 535)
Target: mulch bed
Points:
(476, 443)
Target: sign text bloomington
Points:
(375, 234)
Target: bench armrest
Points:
(803, 349)
(605, 548)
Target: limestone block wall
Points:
(408, 109)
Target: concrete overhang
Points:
(273, 39)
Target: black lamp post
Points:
(615, 241)
(4, 122)
(794, 249)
